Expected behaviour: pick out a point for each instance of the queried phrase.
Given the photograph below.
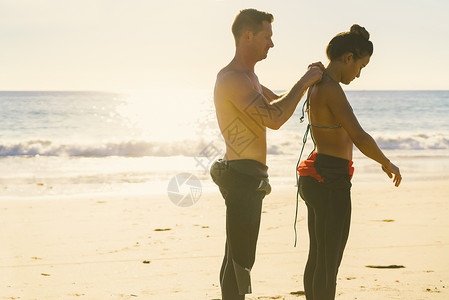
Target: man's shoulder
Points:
(232, 80)
(229, 75)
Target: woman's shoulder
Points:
(327, 89)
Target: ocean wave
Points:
(193, 148)
(125, 148)
(414, 142)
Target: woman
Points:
(324, 181)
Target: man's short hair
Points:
(249, 19)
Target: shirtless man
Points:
(244, 109)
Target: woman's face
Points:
(353, 68)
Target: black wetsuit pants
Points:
(243, 211)
(243, 184)
(329, 215)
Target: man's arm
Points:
(288, 102)
(240, 91)
(270, 95)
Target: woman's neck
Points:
(333, 69)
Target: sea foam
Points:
(142, 148)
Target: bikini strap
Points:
(324, 127)
(304, 141)
(328, 75)
(306, 103)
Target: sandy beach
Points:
(145, 247)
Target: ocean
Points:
(78, 144)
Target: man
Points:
(244, 109)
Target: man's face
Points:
(262, 41)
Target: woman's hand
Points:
(391, 170)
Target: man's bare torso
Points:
(240, 109)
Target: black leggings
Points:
(329, 215)
(243, 184)
(243, 210)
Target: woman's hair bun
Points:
(355, 41)
(359, 30)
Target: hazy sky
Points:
(142, 44)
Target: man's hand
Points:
(314, 74)
(392, 169)
(317, 64)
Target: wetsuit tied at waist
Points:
(326, 168)
(241, 174)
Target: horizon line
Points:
(205, 89)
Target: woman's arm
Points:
(340, 108)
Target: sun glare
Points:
(162, 115)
